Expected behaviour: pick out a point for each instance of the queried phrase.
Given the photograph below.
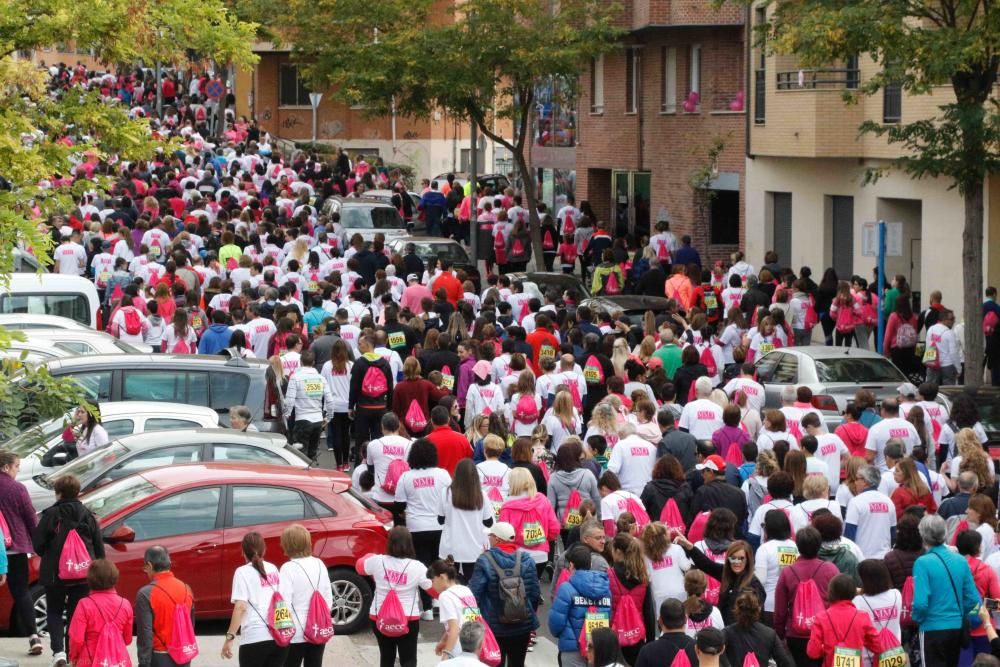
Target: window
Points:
(254, 505)
(760, 72)
(73, 306)
(787, 370)
(229, 389)
(631, 80)
(188, 512)
(765, 367)
(725, 217)
(597, 84)
(694, 69)
(292, 90)
(96, 385)
(668, 57)
(76, 347)
(168, 424)
(163, 456)
(116, 428)
(319, 509)
(245, 453)
(174, 386)
(892, 103)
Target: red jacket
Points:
(92, 613)
(903, 498)
(452, 447)
(451, 285)
(986, 583)
(842, 625)
(854, 435)
(536, 339)
(801, 570)
(419, 390)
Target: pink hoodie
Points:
(535, 523)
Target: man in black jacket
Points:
(652, 281)
(754, 298)
(367, 409)
(716, 492)
(673, 622)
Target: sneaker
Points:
(35, 646)
(427, 615)
(59, 660)
(435, 604)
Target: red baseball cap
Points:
(713, 462)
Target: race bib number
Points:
(313, 388)
(532, 534)
(196, 322)
(470, 614)
(894, 657)
(312, 286)
(103, 277)
(766, 347)
(448, 381)
(155, 250)
(787, 556)
(546, 352)
(595, 619)
(711, 303)
(397, 339)
(930, 355)
(282, 615)
(846, 657)
(573, 518)
(591, 374)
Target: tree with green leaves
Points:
(919, 45)
(43, 135)
(478, 60)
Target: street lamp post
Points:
(314, 100)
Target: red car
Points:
(200, 512)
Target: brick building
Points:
(648, 114)
(805, 192)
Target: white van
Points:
(73, 297)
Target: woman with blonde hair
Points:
(755, 488)
(666, 564)
(749, 418)
(645, 349)
(603, 421)
(562, 420)
(844, 492)
(531, 514)
(970, 457)
(911, 489)
(619, 355)
(299, 578)
(982, 517)
(475, 433)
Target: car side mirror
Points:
(59, 459)
(121, 534)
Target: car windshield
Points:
(86, 467)
(107, 500)
(857, 370)
(450, 251)
(26, 442)
(73, 306)
(371, 217)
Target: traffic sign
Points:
(215, 90)
(893, 239)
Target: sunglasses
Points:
(737, 559)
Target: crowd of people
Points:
(518, 435)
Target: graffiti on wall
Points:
(265, 115)
(330, 128)
(291, 122)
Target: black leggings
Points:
(59, 599)
(405, 645)
(338, 437)
(17, 581)
(262, 654)
(513, 650)
(845, 339)
(425, 546)
(311, 655)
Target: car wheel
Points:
(40, 607)
(352, 598)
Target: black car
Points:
(634, 306)
(207, 380)
(987, 399)
(430, 248)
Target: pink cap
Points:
(481, 369)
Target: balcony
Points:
(819, 79)
(662, 13)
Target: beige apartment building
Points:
(805, 168)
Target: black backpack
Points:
(513, 600)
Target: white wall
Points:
(429, 157)
(811, 180)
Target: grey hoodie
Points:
(563, 482)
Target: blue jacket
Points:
(935, 606)
(584, 589)
(485, 585)
(3, 558)
(215, 339)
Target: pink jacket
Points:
(535, 523)
(92, 613)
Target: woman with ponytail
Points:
(700, 613)
(254, 584)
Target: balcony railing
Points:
(892, 104)
(759, 95)
(818, 79)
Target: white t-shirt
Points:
(766, 439)
(771, 558)
(632, 460)
(170, 340)
(381, 452)
(753, 390)
(892, 427)
(666, 575)
(339, 383)
(554, 427)
(464, 535)
(888, 483)
(801, 515)
(403, 575)
(701, 418)
(883, 609)
(829, 450)
(714, 620)
(457, 604)
(70, 258)
(875, 515)
(421, 490)
(299, 577)
(259, 333)
(256, 591)
(495, 475)
(756, 526)
(615, 503)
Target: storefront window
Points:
(556, 185)
(554, 123)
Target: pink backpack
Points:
(571, 515)
(906, 613)
(891, 651)
(74, 559)
(750, 660)
(110, 648)
(574, 392)
(626, 620)
(319, 624)
(681, 659)
(489, 652)
(670, 516)
(662, 253)
(391, 619)
(181, 347)
(396, 469)
(696, 532)
(612, 286)
(279, 620)
(633, 507)
(526, 411)
(568, 226)
(708, 360)
(517, 247)
(182, 647)
(593, 372)
(8, 539)
(133, 324)
(373, 384)
(806, 606)
(496, 499)
(415, 421)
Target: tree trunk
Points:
(972, 259)
(531, 201)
